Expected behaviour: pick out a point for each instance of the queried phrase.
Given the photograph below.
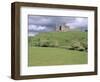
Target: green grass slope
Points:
(70, 40)
(57, 48)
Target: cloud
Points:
(78, 22)
(36, 28)
(38, 24)
(39, 20)
(49, 20)
(32, 33)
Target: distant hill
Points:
(74, 40)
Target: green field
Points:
(57, 48)
(39, 56)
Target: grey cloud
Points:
(49, 20)
(48, 23)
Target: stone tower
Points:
(62, 28)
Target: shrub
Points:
(55, 43)
(80, 49)
(71, 48)
(44, 43)
(48, 43)
(84, 44)
(76, 45)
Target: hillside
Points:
(67, 40)
(58, 48)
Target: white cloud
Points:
(79, 22)
(36, 27)
(41, 28)
(32, 34)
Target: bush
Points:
(84, 44)
(55, 43)
(76, 45)
(47, 43)
(44, 43)
(71, 48)
(80, 49)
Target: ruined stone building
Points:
(62, 28)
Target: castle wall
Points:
(62, 28)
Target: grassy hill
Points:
(57, 48)
(68, 40)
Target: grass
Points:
(58, 48)
(44, 56)
(60, 39)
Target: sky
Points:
(38, 24)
